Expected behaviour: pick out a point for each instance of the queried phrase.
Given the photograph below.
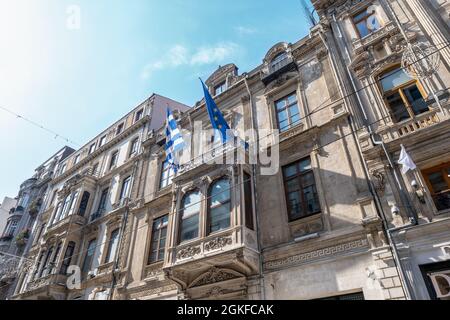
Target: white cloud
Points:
(242, 31)
(179, 55)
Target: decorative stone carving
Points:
(217, 243)
(379, 181)
(214, 275)
(188, 252)
(317, 254)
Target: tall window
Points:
(67, 257)
(300, 186)
(112, 247)
(167, 174)
(113, 161)
(124, 192)
(62, 168)
(158, 243)
(57, 212)
(248, 201)
(288, 113)
(46, 266)
(87, 264)
(92, 148)
(102, 202)
(366, 22)
(73, 202)
(139, 115)
(278, 62)
(190, 211)
(55, 259)
(84, 203)
(76, 159)
(219, 205)
(438, 181)
(65, 207)
(12, 227)
(133, 147)
(220, 88)
(102, 141)
(39, 265)
(119, 128)
(402, 94)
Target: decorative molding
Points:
(188, 252)
(218, 243)
(316, 254)
(213, 275)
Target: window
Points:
(248, 201)
(158, 243)
(95, 171)
(366, 22)
(73, 202)
(102, 202)
(67, 257)
(62, 168)
(133, 146)
(219, 207)
(113, 161)
(124, 192)
(438, 181)
(92, 148)
(46, 266)
(220, 88)
(87, 264)
(402, 94)
(189, 213)
(52, 267)
(300, 187)
(38, 236)
(288, 114)
(12, 227)
(65, 208)
(57, 212)
(38, 265)
(279, 61)
(167, 174)
(348, 297)
(24, 200)
(102, 141)
(76, 159)
(119, 128)
(112, 248)
(139, 115)
(84, 203)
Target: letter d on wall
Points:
(438, 280)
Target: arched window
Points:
(189, 214)
(402, 94)
(219, 205)
(278, 61)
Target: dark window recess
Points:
(301, 194)
(248, 201)
(67, 258)
(84, 203)
(352, 296)
(158, 243)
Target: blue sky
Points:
(78, 81)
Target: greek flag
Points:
(174, 141)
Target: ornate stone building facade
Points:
(336, 220)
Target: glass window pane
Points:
(292, 98)
(416, 100)
(362, 28)
(394, 79)
(398, 107)
(189, 228)
(282, 116)
(191, 204)
(438, 183)
(294, 205)
(305, 165)
(220, 192)
(280, 104)
(290, 171)
(292, 185)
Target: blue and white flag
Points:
(217, 120)
(174, 141)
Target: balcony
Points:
(229, 255)
(274, 71)
(73, 221)
(50, 286)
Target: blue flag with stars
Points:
(217, 120)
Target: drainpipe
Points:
(406, 287)
(253, 166)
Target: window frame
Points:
(400, 90)
(94, 249)
(126, 180)
(181, 212)
(445, 174)
(222, 86)
(162, 225)
(114, 156)
(108, 257)
(355, 22)
(102, 141)
(134, 147)
(228, 202)
(138, 115)
(298, 176)
(286, 108)
(169, 177)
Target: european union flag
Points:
(217, 120)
